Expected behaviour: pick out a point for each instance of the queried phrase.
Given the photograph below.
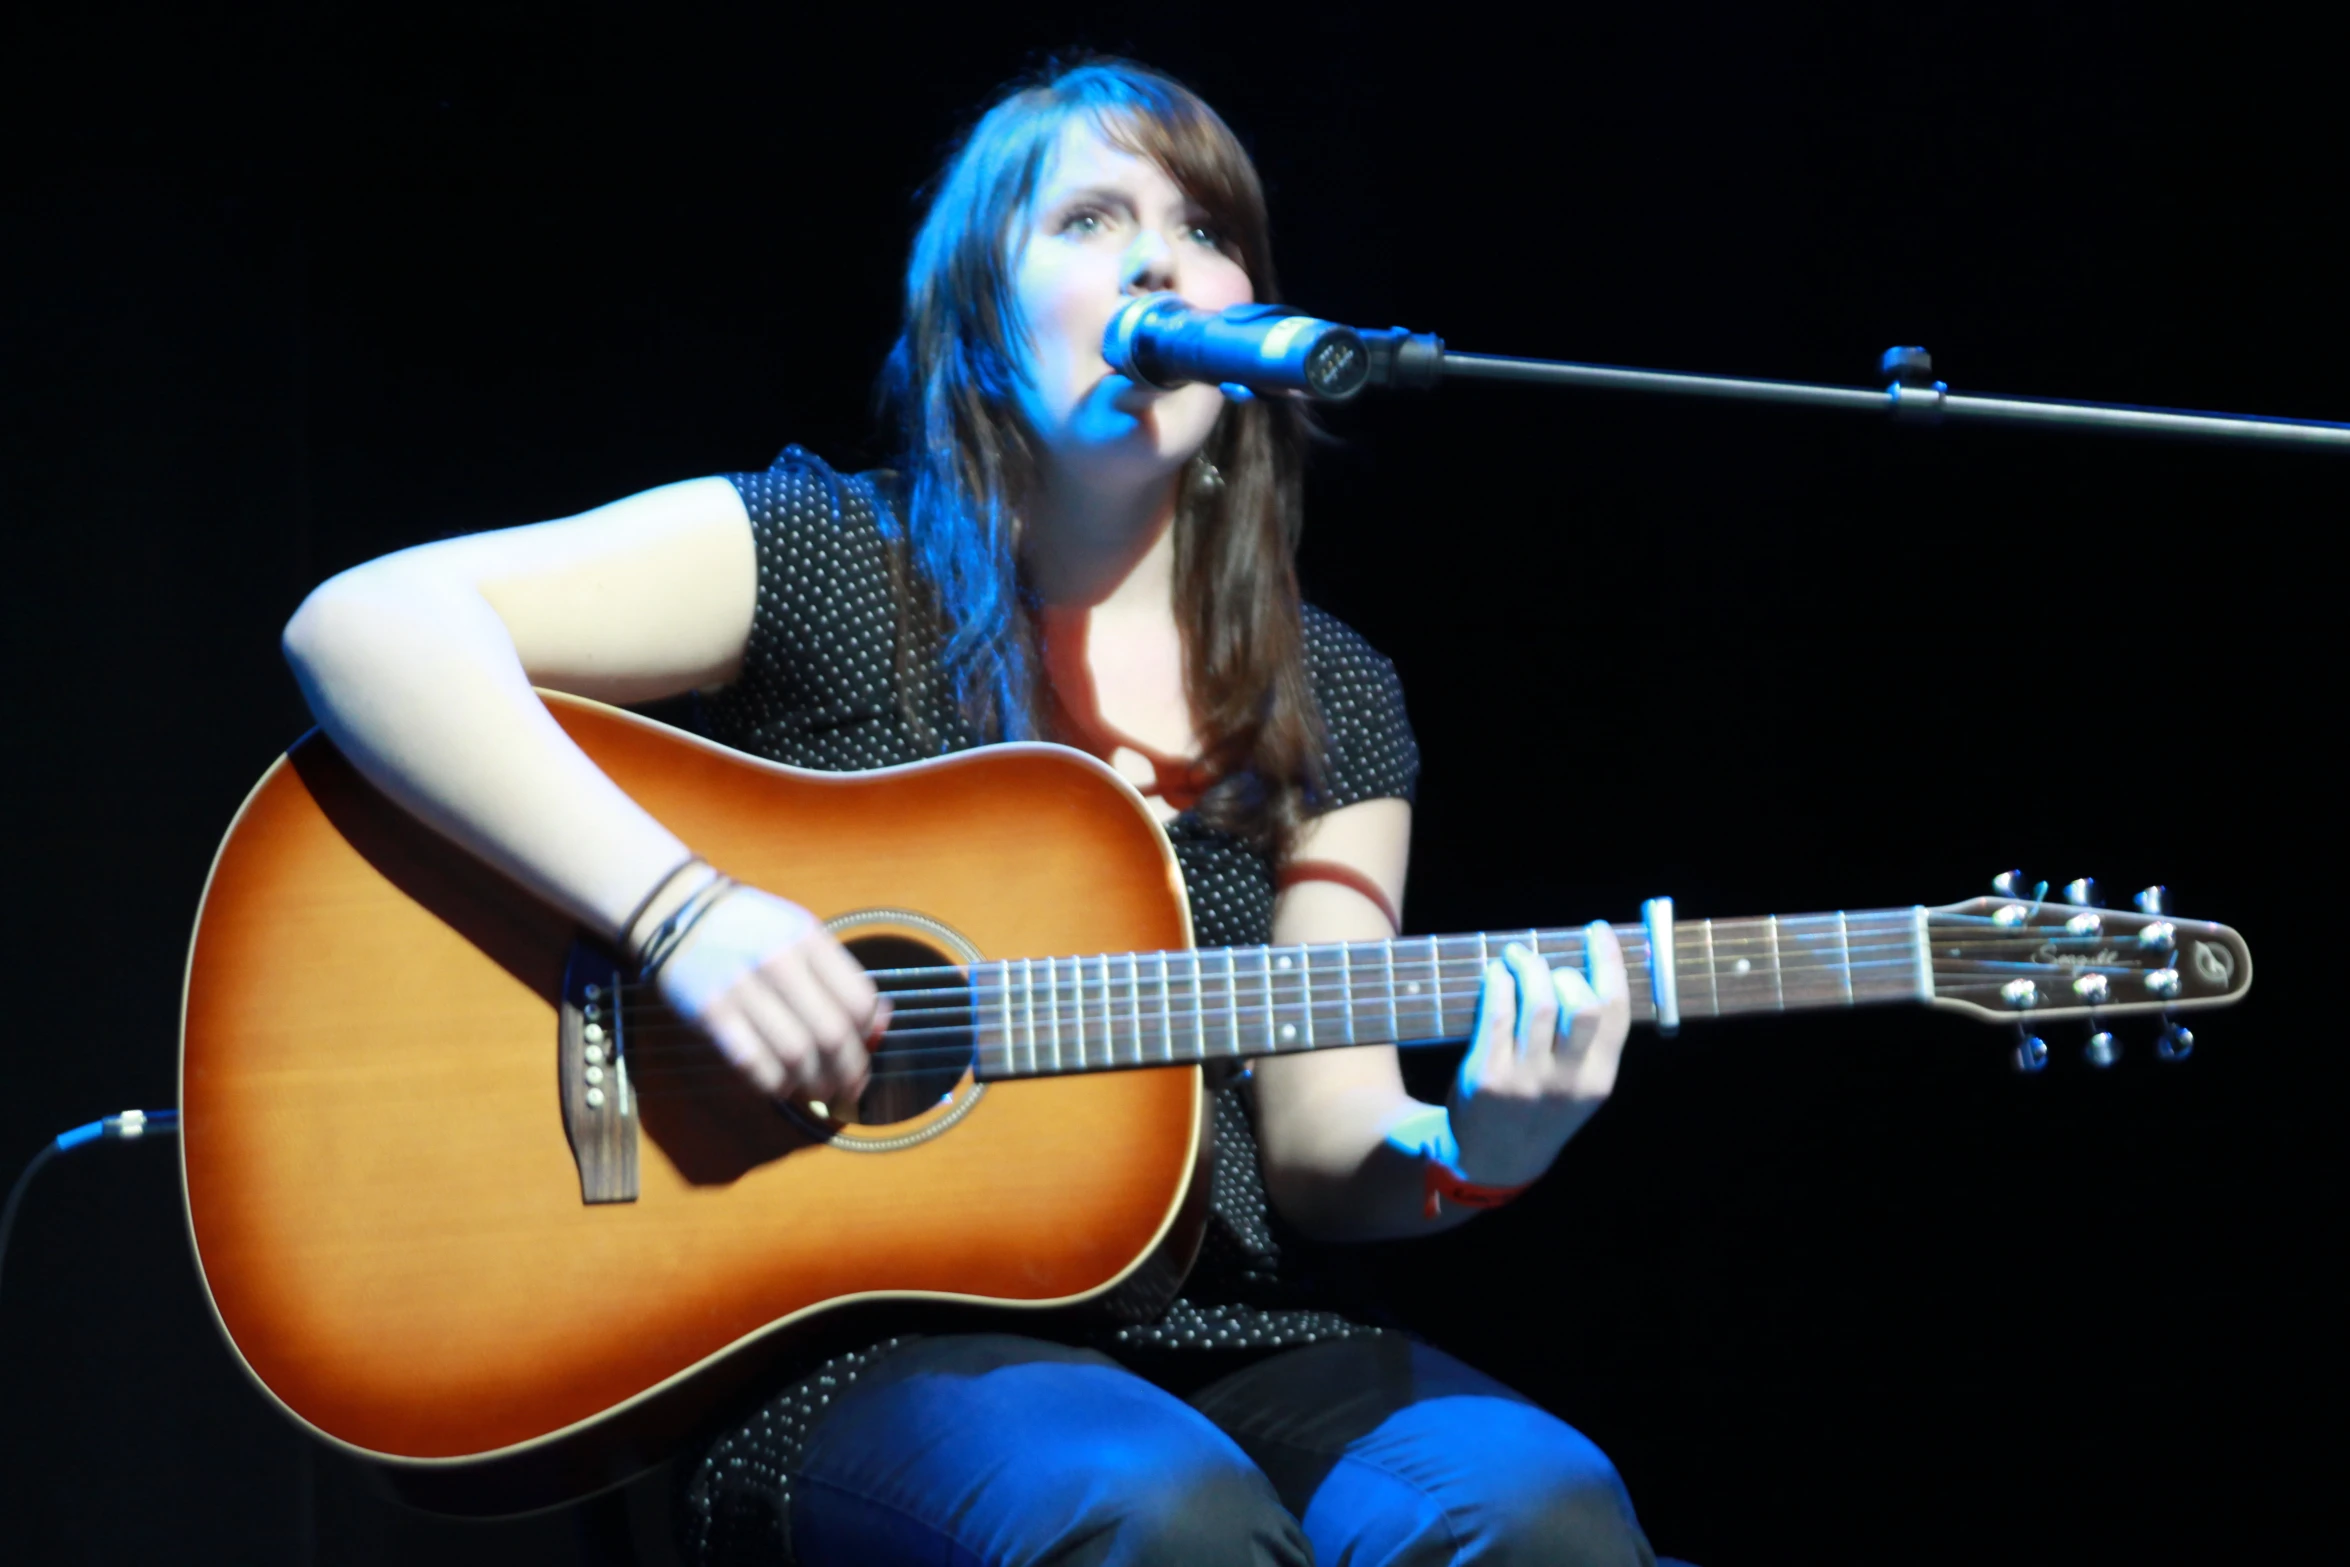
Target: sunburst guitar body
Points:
(388, 1210)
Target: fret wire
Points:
(1272, 1024)
(1199, 1009)
(1028, 1005)
(1052, 1007)
(1104, 1034)
(1134, 999)
(1778, 982)
(1109, 1014)
(1713, 980)
(1436, 1029)
(1346, 985)
(1394, 1023)
(1844, 942)
(1166, 1010)
(1305, 985)
(1484, 961)
(1232, 987)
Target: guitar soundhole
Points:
(927, 1053)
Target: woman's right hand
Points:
(781, 998)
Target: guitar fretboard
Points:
(1039, 1017)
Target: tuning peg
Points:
(2102, 1050)
(2031, 1052)
(2174, 1043)
(2152, 900)
(2081, 893)
(2010, 884)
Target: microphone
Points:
(1163, 342)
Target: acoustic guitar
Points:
(470, 1207)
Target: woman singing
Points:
(1059, 553)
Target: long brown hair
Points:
(969, 460)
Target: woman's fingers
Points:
(1537, 1001)
(1490, 1041)
(783, 1000)
(1602, 1026)
(740, 1041)
(846, 979)
(1578, 1008)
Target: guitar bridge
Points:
(599, 1106)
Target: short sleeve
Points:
(818, 684)
(1371, 751)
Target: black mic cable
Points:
(129, 1125)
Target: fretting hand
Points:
(782, 999)
(1541, 1062)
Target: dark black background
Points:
(283, 288)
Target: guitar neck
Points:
(1040, 1017)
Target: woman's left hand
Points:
(1542, 1061)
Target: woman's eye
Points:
(1201, 234)
(1085, 220)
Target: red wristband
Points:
(1438, 1181)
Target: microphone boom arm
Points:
(1418, 359)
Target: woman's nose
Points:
(1150, 264)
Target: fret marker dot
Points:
(1288, 1031)
(1412, 989)
(1741, 966)
(1282, 963)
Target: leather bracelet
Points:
(1438, 1181)
(653, 895)
(670, 934)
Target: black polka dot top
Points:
(819, 689)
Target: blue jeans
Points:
(998, 1451)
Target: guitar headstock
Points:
(2019, 956)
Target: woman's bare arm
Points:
(1347, 1150)
(420, 665)
(1325, 1120)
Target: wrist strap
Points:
(1439, 1181)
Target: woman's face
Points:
(1107, 225)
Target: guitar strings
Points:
(998, 1063)
(1689, 945)
(1087, 971)
(1101, 998)
(704, 1059)
(1071, 981)
(951, 1011)
(897, 1059)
